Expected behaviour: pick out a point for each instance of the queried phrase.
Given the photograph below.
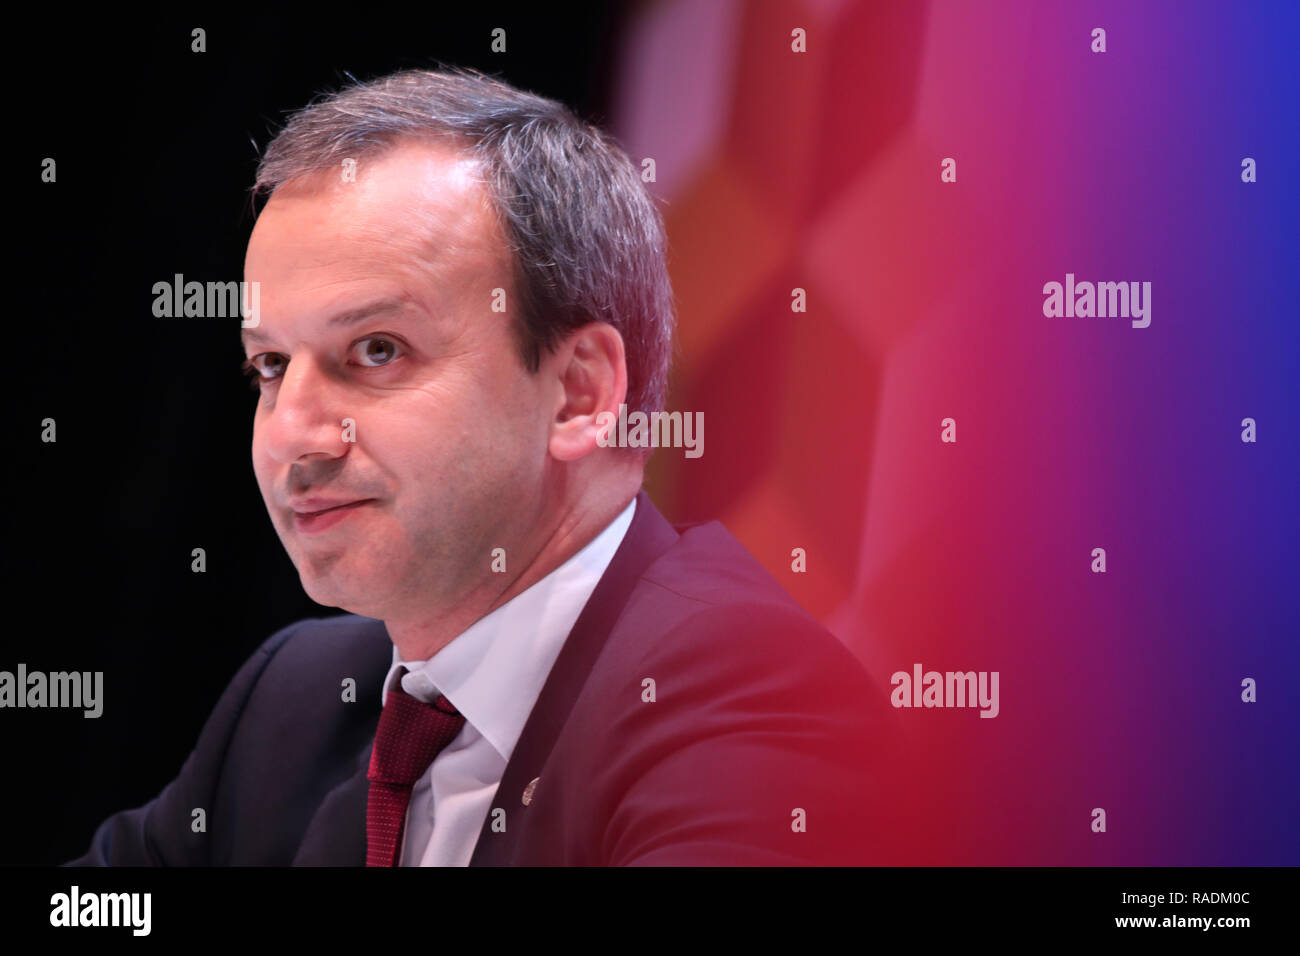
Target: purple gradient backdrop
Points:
(821, 170)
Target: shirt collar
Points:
(494, 670)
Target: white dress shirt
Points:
(492, 673)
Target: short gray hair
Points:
(587, 239)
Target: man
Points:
(459, 284)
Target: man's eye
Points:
(259, 373)
(376, 351)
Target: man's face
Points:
(377, 323)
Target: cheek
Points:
(522, 399)
(467, 409)
(258, 458)
(459, 450)
(263, 469)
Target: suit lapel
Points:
(336, 835)
(648, 536)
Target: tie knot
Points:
(411, 734)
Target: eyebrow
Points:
(340, 320)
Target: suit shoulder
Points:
(709, 584)
(343, 635)
(346, 644)
(708, 607)
(708, 567)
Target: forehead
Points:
(418, 210)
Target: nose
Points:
(306, 415)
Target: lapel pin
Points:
(528, 791)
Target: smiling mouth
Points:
(312, 521)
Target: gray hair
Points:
(587, 240)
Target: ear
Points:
(590, 368)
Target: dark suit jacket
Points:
(765, 742)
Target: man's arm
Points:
(767, 745)
(161, 833)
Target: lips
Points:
(311, 515)
(311, 506)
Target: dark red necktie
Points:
(411, 733)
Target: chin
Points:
(325, 597)
(325, 590)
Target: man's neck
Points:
(420, 637)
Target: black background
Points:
(156, 148)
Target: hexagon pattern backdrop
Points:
(1062, 488)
